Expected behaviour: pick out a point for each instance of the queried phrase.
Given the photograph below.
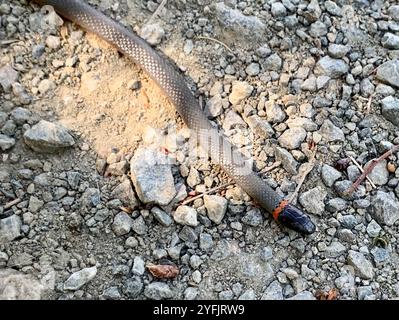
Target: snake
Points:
(173, 85)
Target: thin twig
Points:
(156, 12)
(273, 166)
(215, 40)
(362, 170)
(12, 203)
(207, 192)
(370, 168)
(309, 168)
(368, 107)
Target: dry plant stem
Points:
(156, 12)
(368, 107)
(370, 168)
(311, 165)
(217, 41)
(207, 192)
(12, 203)
(362, 170)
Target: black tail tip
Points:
(297, 220)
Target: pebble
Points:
(363, 267)
(373, 229)
(191, 293)
(139, 226)
(278, 9)
(133, 287)
(240, 91)
(292, 138)
(388, 73)
(253, 218)
(80, 278)
(287, 160)
(390, 41)
(330, 132)
(335, 250)
(390, 109)
(384, 208)
(111, 293)
(273, 63)
(216, 207)
(122, 224)
(330, 175)
(125, 193)
(273, 292)
(186, 215)
(138, 266)
(47, 137)
(152, 177)
(162, 217)
(333, 68)
(6, 142)
(333, 8)
(152, 33)
(304, 295)
(253, 69)
(206, 241)
(10, 228)
(158, 291)
(8, 76)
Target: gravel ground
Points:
(95, 162)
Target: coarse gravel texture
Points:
(95, 162)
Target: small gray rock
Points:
(16, 285)
(7, 77)
(329, 175)
(240, 91)
(379, 175)
(21, 115)
(390, 41)
(338, 50)
(278, 9)
(153, 33)
(333, 68)
(304, 295)
(330, 132)
(373, 229)
(122, 224)
(10, 228)
(273, 292)
(388, 73)
(191, 293)
(273, 62)
(162, 217)
(152, 177)
(35, 204)
(48, 137)
(111, 293)
(133, 287)
(292, 138)
(333, 8)
(6, 142)
(384, 208)
(248, 295)
(206, 241)
(260, 127)
(186, 215)
(80, 278)
(363, 267)
(232, 120)
(253, 218)
(335, 249)
(393, 11)
(253, 69)
(138, 266)
(390, 109)
(287, 160)
(313, 200)
(139, 226)
(158, 291)
(318, 29)
(216, 207)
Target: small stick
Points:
(12, 203)
(370, 168)
(368, 107)
(215, 40)
(156, 12)
(361, 169)
(310, 167)
(207, 192)
(273, 166)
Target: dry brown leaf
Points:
(163, 271)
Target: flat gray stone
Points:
(6, 142)
(10, 228)
(388, 73)
(363, 267)
(216, 207)
(48, 137)
(158, 291)
(186, 215)
(333, 68)
(384, 208)
(80, 278)
(152, 177)
(313, 200)
(390, 109)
